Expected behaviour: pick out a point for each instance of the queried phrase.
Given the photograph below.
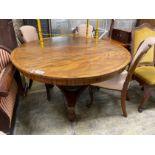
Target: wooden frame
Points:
(123, 34)
(146, 88)
(73, 66)
(124, 93)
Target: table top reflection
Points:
(70, 61)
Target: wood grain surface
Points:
(70, 61)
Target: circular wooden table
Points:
(71, 63)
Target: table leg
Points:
(21, 89)
(71, 94)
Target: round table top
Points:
(70, 61)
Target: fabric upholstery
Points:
(29, 33)
(7, 103)
(146, 74)
(82, 30)
(139, 36)
(115, 83)
(143, 47)
(4, 59)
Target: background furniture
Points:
(7, 35)
(122, 33)
(71, 63)
(8, 39)
(8, 90)
(82, 29)
(28, 34)
(45, 25)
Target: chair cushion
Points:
(4, 59)
(82, 30)
(115, 83)
(146, 74)
(29, 33)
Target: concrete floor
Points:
(35, 115)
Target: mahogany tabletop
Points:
(70, 61)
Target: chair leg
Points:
(123, 102)
(146, 95)
(48, 91)
(30, 83)
(127, 96)
(91, 96)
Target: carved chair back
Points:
(138, 35)
(143, 49)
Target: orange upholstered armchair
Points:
(8, 90)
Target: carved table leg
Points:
(71, 95)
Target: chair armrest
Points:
(6, 80)
(5, 48)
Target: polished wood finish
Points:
(71, 94)
(71, 61)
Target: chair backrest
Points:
(143, 48)
(29, 33)
(138, 35)
(4, 57)
(82, 28)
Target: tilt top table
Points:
(71, 63)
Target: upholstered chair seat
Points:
(146, 74)
(121, 82)
(115, 83)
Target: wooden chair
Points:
(123, 37)
(145, 75)
(81, 30)
(8, 91)
(28, 34)
(121, 81)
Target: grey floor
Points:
(37, 116)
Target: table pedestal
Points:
(71, 94)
